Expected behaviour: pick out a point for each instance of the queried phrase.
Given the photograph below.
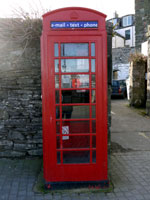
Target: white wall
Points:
(131, 42)
(123, 70)
(117, 42)
(144, 48)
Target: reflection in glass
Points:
(57, 96)
(76, 157)
(92, 49)
(58, 142)
(93, 96)
(80, 141)
(92, 65)
(75, 81)
(94, 141)
(75, 65)
(56, 65)
(93, 111)
(75, 96)
(57, 112)
(57, 127)
(58, 157)
(56, 81)
(75, 112)
(93, 156)
(93, 126)
(56, 51)
(77, 126)
(74, 49)
(93, 81)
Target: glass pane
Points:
(75, 65)
(58, 142)
(58, 127)
(94, 141)
(93, 65)
(75, 81)
(56, 51)
(92, 49)
(75, 112)
(57, 112)
(83, 126)
(93, 156)
(75, 49)
(93, 111)
(58, 157)
(93, 96)
(75, 96)
(57, 96)
(56, 81)
(77, 142)
(93, 81)
(56, 65)
(76, 156)
(93, 126)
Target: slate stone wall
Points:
(121, 55)
(120, 61)
(142, 20)
(20, 102)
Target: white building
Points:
(123, 43)
(125, 27)
(118, 40)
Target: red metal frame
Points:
(60, 172)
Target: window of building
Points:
(115, 22)
(127, 21)
(127, 34)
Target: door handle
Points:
(51, 118)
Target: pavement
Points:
(129, 129)
(130, 169)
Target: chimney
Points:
(115, 15)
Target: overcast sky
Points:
(107, 7)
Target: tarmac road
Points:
(129, 129)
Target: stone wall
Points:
(20, 102)
(120, 60)
(137, 84)
(142, 19)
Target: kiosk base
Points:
(77, 185)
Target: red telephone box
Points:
(74, 96)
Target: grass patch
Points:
(39, 187)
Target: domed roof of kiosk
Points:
(75, 8)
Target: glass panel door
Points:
(75, 102)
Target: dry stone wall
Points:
(137, 84)
(20, 102)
